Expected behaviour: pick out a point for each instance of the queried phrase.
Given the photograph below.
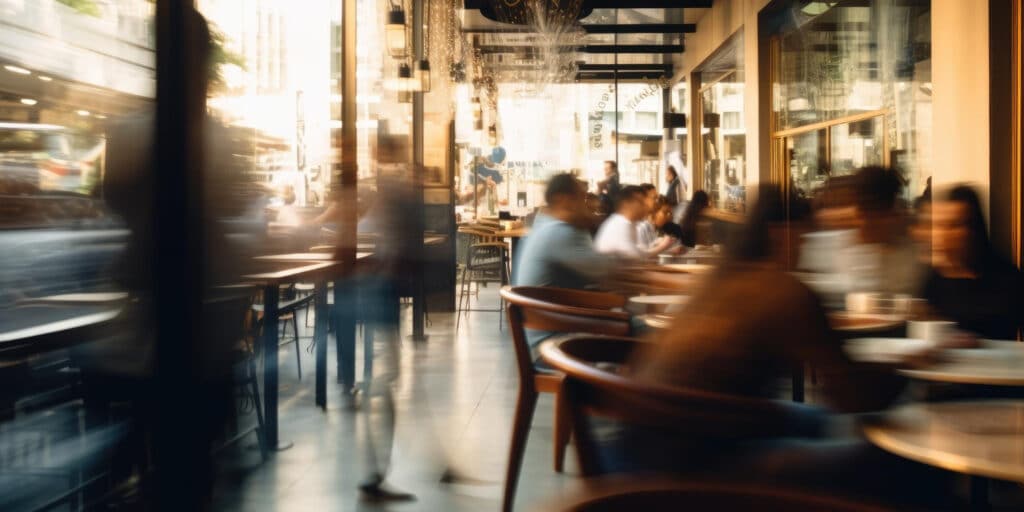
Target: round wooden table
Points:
(983, 439)
(657, 321)
(864, 323)
(996, 363)
(643, 304)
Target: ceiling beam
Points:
(611, 76)
(640, 28)
(588, 48)
(664, 68)
(618, 4)
(632, 48)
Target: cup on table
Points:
(861, 302)
(934, 331)
(879, 303)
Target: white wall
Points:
(960, 97)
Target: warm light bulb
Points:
(17, 70)
(394, 33)
(423, 75)
(28, 101)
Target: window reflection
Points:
(849, 59)
(723, 132)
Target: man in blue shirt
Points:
(559, 251)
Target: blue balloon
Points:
(498, 154)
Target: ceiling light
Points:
(45, 78)
(83, 113)
(16, 69)
(28, 101)
(423, 75)
(394, 33)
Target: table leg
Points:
(979, 494)
(270, 348)
(345, 335)
(798, 383)
(320, 340)
(512, 259)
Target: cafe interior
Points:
(552, 255)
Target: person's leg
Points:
(383, 329)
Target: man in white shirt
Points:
(618, 233)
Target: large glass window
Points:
(723, 133)
(862, 72)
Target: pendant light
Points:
(423, 66)
(394, 32)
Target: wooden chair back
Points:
(559, 310)
(594, 390)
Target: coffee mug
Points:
(934, 331)
(861, 302)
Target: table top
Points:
(854, 322)
(299, 257)
(657, 321)
(981, 438)
(663, 304)
(37, 328)
(996, 363)
(79, 298)
(512, 233)
(688, 268)
(660, 300)
(293, 273)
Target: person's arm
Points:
(578, 255)
(661, 245)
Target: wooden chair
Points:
(671, 495)
(590, 390)
(555, 310)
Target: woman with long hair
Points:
(969, 283)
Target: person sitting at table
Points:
(559, 251)
(666, 235)
(692, 217)
(883, 257)
(645, 234)
(742, 334)
(617, 235)
(968, 282)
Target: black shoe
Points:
(375, 490)
(454, 477)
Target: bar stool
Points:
(487, 261)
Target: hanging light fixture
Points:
(423, 66)
(394, 32)
(423, 75)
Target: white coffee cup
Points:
(934, 331)
(861, 302)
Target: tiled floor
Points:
(455, 400)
